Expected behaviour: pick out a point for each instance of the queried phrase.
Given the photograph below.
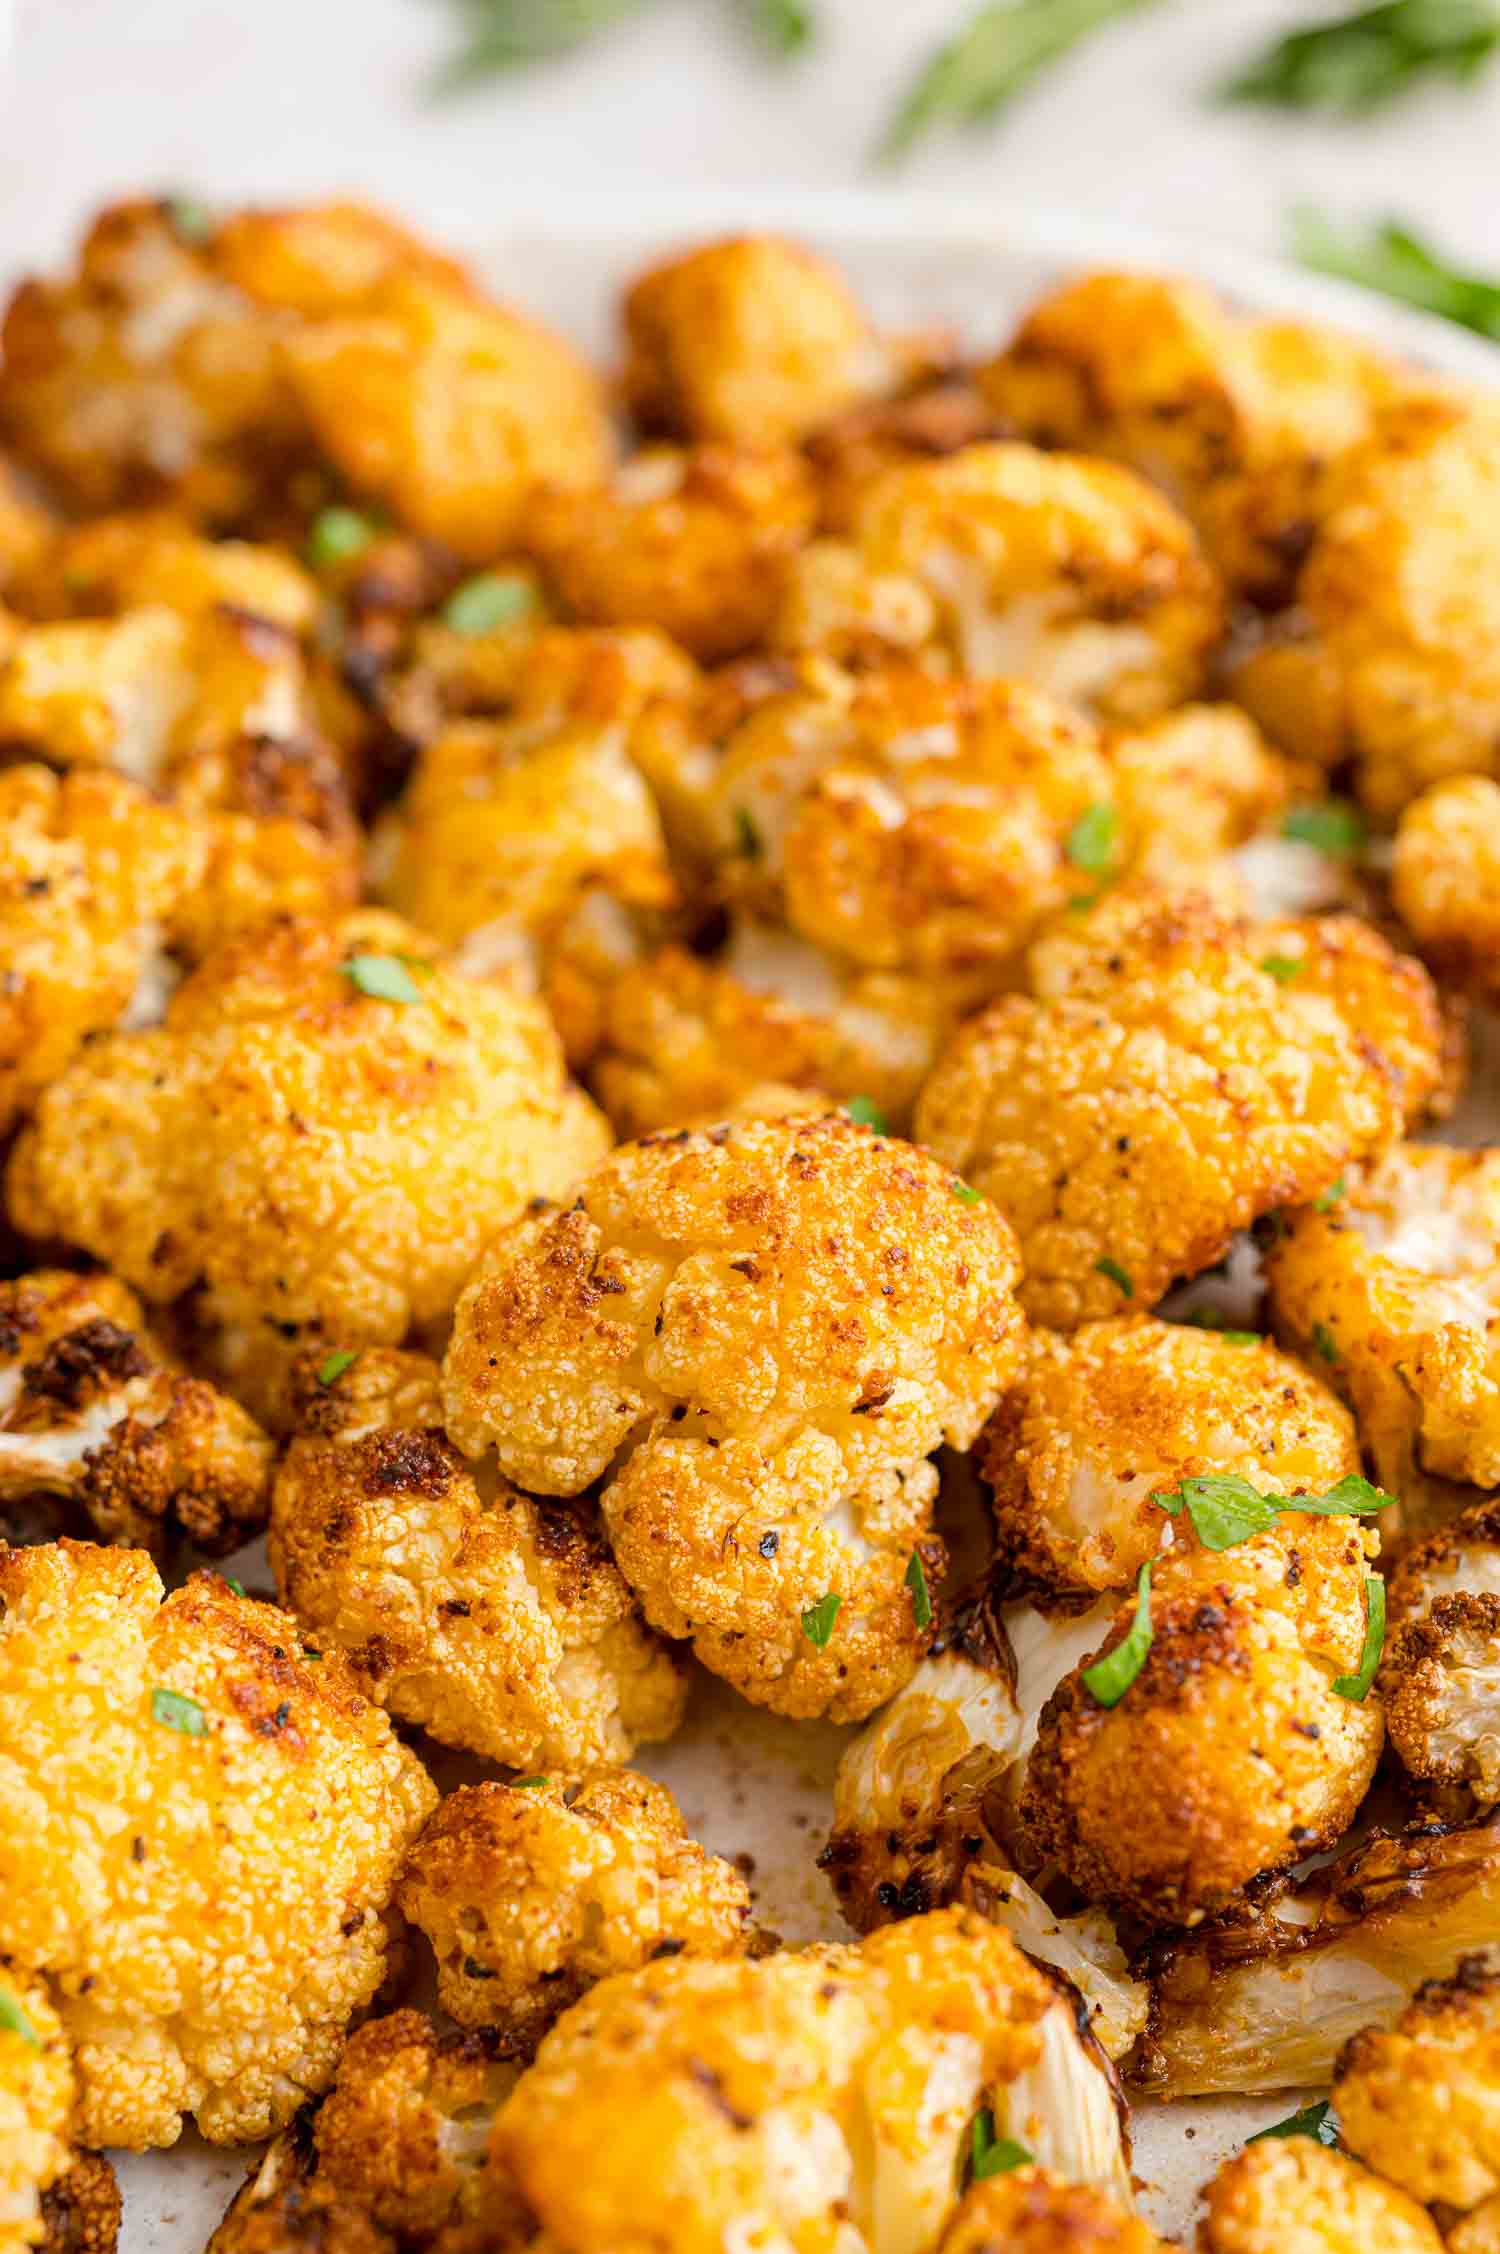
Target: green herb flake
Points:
(1226, 1510)
(385, 978)
(865, 1112)
(746, 835)
(1392, 260)
(1315, 2121)
(15, 2021)
(1090, 843)
(1111, 1677)
(785, 26)
(1326, 1343)
(176, 1711)
(1213, 1319)
(526, 1784)
(342, 1358)
(1364, 59)
(1357, 1687)
(189, 219)
(494, 598)
(964, 1191)
(921, 1595)
(337, 534)
(1333, 826)
(818, 1620)
(990, 2155)
(1327, 1199)
(230, 1583)
(1283, 968)
(506, 35)
(1116, 1275)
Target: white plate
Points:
(749, 1784)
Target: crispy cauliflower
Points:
(1069, 573)
(1191, 785)
(936, 418)
(1440, 1672)
(820, 2098)
(1267, 1999)
(308, 1157)
(81, 2211)
(755, 1335)
(200, 1828)
(36, 2105)
(1162, 1087)
(1027, 2211)
(286, 2206)
(1293, 2195)
(96, 1410)
(530, 1893)
(496, 1622)
(1394, 1288)
(1241, 421)
(1420, 2100)
(1445, 880)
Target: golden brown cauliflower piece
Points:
(1241, 421)
(81, 2211)
(1161, 1088)
(200, 1827)
(1445, 880)
(530, 1893)
(96, 1410)
(1070, 573)
(36, 2106)
(1394, 1289)
(496, 1622)
(1293, 2195)
(1440, 1672)
(824, 2098)
(1102, 1420)
(756, 1335)
(287, 2206)
(1387, 655)
(1191, 785)
(936, 418)
(1420, 2101)
(1028, 2211)
(307, 1157)
(92, 873)
(695, 541)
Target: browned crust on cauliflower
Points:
(1418, 2100)
(36, 2106)
(1445, 880)
(1031, 2212)
(1291, 2195)
(285, 2206)
(81, 2211)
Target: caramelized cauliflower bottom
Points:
(81, 2211)
(496, 1622)
(1292, 2195)
(1161, 1088)
(304, 1157)
(823, 2098)
(1102, 1420)
(95, 1410)
(200, 1828)
(1395, 1289)
(36, 2106)
(1420, 2101)
(1440, 1672)
(530, 1893)
(1031, 2212)
(1445, 880)
(755, 1334)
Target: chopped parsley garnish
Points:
(1357, 1687)
(176, 1711)
(494, 599)
(1214, 1319)
(1111, 1677)
(385, 978)
(1116, 1275)
(335, 535)
(818, 1620)
(1334, 826)
(1313, 2121)
(990, 2155)
(1359, 62)
(526, 1784)
(746, 835)
(15, 2020)
(342, 1358)
(865, 1112)
(1225, 1509)
(1283, 968)
(964, 1191)
(1325, 1342)
(921, 1595)
(1090, 843)
(230, 1582)
(1328, 1198)
(1391, 259)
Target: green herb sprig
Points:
(996, 55)
(1389, 258)
(503, 35)
(14, 2019)
(1315, 2121)
(818, 1620)
(990, 2155)
(1111, 1677)
(1360, 61)
(1226, 1510)
(921, 1595)
(1357, 1686)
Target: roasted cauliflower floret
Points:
(496, 1622)
(81, 2211)
(286, 2206)
(935, 419)
(96, 1410)
(200, 1828)
(1069, 573)
(753, 340)
(156, 559)
(823, 2098)
(1420, 2101)
(1292, 2195)
(530, 1893)
(1440, 1672)
(1101, 1421)
(1026, 2211)
(1394, 1289)
(695, 541)
(36, 2105)
(1445, 880)
(1161, 1088)
(1194, 784)
(1267, 2000)
(756, 1335)
(315, 1143)
(1241, 421)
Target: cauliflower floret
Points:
(305, 1155)
(286, 2206)
(922, 425)
(755, 1335)
(81, 2211)
(94, 1409)
(26, 529)
(1292, 2195)
(695, 541)
(834, 607)
(1069, 573)
(1029, 2212)
(200, 1828)
(1420, 2101)
(1241, 421)
(1102, 1420)
(1163, 1088)
(1267, 1999)
(91, 871)
(496, 1622)
(1191, 785)
(1388, 655)
(530, 1894)
(1440, 1672)
(1445, 880)
(753, 340)
(1395, 1289)
(36, 2105)
(819, 2098)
